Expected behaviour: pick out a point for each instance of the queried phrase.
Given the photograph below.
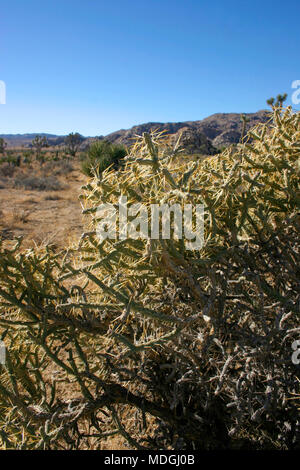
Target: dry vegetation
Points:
(167, 348)
(40, 202)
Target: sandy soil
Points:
(42, 216)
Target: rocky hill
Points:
(204, 136)
(215, 131)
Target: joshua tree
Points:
(3, 145)
(73, 142)
(39, 143)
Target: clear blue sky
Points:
(96, 66)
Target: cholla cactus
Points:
(196, 343)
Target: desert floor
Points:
(42, 216)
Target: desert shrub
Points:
(27, 156)
(52, 197)
(194, 345)
(7, 170)
(82, 156)
(56, 156)
(11, 160)
(41, 157)
(48, 183)
(55, 168)
(101, 155)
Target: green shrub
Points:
(101, 155)
(27, 156)
(55, 157)
(169, 348)
(11, 160)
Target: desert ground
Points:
(47, 215)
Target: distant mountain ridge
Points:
(203, 136)
(220, 129)
(20, 140)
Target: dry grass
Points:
(39, 206)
